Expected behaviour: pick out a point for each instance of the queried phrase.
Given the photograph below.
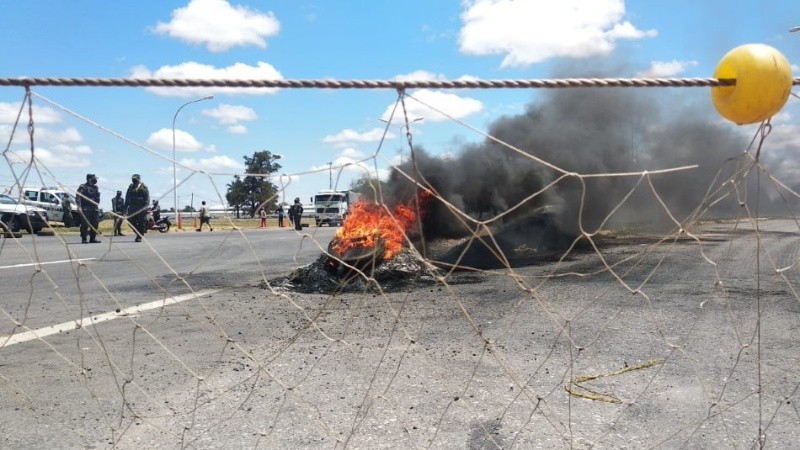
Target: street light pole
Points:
(174, 160)
(330, 175)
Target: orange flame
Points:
(367, 222)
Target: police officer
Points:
(297, 212)
(118, 206)
(66, 208)
(87, 200)
(137, 202)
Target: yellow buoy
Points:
(763, 83)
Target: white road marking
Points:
(47, 262)
(6, 341)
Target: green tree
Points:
(368, 187)
(255, 189)
(236, 195)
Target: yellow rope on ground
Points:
(590, 394)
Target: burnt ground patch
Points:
(404, 272)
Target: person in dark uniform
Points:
(290, 215)
(88, 200)
(280, 216)
(118, 206)
(66, 208)
(297, 213)
(137, 202)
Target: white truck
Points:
(49, 199)
(331, 206)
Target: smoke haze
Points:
(584, 131)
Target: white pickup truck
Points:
(49, 199)
(15, 216)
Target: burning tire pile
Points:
(373, 252)
(369, 253)
(366, 273)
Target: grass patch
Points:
(219, 223)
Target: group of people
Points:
(136, 204)
(134, 207)
(295, 215)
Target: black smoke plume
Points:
(587, 132)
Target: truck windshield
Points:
(328, 198)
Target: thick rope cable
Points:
(376, 84)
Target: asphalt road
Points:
(689, 343)
(119, 273)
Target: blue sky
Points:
(342, 40)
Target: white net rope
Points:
(547, 294)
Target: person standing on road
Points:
(263, 213)
(118, 206)
(66, 209)
(280, 216)
(88, 200)
(290, 215)
(137, 201)
(296, 212)
(205, 217)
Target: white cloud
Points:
(454, 105)
(783, 139)
(352, 153)
(184, 142)
(348, 136)
(528, 32)
(53, 148)
(349, 163)
(231, 115)
(660, 69)
(383, 174)
(237, 129)
(66, 136)
(10, 111)
(283, 180)
(215, 164)
(57, 156)
(17, 157)
(193, 70)
(220, 26)
(468, 78)
(450, 104)
(420, 75)
(63, 155)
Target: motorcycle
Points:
(161, 225)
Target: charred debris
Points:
(359, 272)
